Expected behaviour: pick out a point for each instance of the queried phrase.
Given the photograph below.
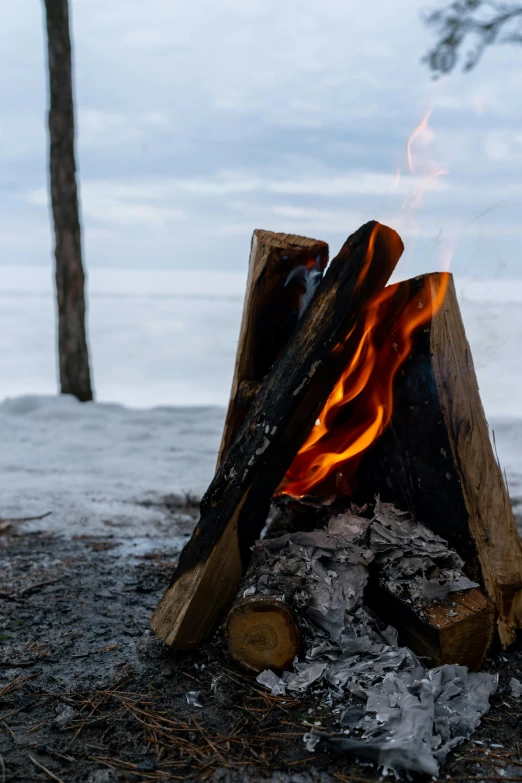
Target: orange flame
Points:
(421, 130)
(424, 133)
(360, 406)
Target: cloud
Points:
(109, 205)
(199, 121)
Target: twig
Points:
(9, 729)
(209, 742)
(488, 755)
(131, 618)
(10, 520)
(37, 585)
(2, 768)
(18, 682)
(301, 761)
(47, 771)
(30, 588)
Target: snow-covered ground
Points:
(165, 339)
(103, 469)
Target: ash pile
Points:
(392, 708)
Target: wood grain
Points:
(458, 630)
(262, 632)
(270, 315)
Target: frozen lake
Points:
(162, 345)
(166, 338)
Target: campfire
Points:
(355, 413)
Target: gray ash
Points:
(410, 716)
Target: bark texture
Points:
(75, 377)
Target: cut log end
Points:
(459, 630)
(262, 633)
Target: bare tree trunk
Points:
(73, 354)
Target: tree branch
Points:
(478, 23)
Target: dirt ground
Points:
(88, 694)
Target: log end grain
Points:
(262, 633)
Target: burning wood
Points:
(435, 458)
(386, 375)
(314, 580)
(360, 407)
(234, 508)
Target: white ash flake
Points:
(516, 687)
(263, 448)
(311, 373)
(271, 681)
(193, 699)
(394, 711)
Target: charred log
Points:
(435, 458)
(459, 629)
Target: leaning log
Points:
(279, 420)
(435, 459)
(282, 272)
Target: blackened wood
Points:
(275, 286)
(280, 418)
(435, 459)
(75, 377)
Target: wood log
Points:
(263, 632)
(435, 459)
(459, 629)
(273, 302)
(283, 413)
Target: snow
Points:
(168, 339)
(100, 468)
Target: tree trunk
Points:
(70, 279)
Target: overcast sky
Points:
(200, 121)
